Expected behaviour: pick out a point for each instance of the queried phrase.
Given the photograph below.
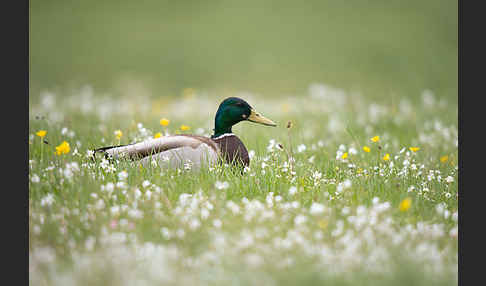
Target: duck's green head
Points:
(233, 110)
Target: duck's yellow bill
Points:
(258, 118)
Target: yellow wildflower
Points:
(386, 157)
(158, 135)
(164, 122)
(345, 155)
(323, 223)
(414, 149)
(405, 204)
(41, 133)
(118, 134)
(366, 149)
(185, 127)
(188, 92)
(375, 139)
(444, 159)
(63, 148)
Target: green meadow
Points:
(357, 184)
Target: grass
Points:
(124, 224)
(376, 47)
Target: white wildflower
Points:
(204, 213)
(184, 199)
(180, 233)
(453, 232)
(253, 260)
(148, 194)
(347, 184)
(269, 199)
(115, 210)
(301, 148)
(447, 213)
(235, 209)
(271, 145)
(440, 208)
(292, 190)
(121, 185)
(221, 185)
(89, 153)
(135, 213)
(100, 204)
(122, 175)
(137, 193)
(90, 243)
(345, 210)
(145, 183)
(188, 165)
(67, 173)
(47, 200)
(76, 152)
(194, 224)
(339, 155)
(428, 98)
(449, 179)
(300, 219)
(217, 223)
(165, 233)
(455, 216)
(316, 209)
(109, 187)
(35, 178)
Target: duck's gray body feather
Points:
(176, 151)
(183, 157)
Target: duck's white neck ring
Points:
(224, 135)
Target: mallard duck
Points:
(177, 150)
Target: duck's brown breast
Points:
(232, 149)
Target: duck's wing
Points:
(174, 151)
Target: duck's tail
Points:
(104, 151)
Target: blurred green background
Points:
(268, 47)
